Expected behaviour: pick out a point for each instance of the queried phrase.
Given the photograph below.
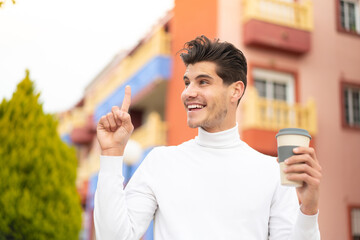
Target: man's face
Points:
(206, 98)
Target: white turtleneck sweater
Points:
(212, 187)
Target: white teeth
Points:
(195, 106)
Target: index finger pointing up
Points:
(127, 99)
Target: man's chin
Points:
(193, 125)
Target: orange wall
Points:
(266, 144)
(191, 19)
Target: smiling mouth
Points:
(195, 107)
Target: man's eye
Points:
(202, 82)
(187, 84)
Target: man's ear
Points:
(237, 90)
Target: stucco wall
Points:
(333, 56)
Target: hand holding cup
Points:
(300, 167)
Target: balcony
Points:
(78, 125)
(263, 118)
(277, 24)
(147, 64)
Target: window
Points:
(274, 85)
(351, 106)
(350, 15)
(278, 88)
(355, 223)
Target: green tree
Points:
(38, 197)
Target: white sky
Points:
(65, 44)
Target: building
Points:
(303, 59)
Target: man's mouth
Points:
(195, 107)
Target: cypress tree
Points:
(38, 197)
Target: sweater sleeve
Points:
(306, 227)
(122, 214)
(287, 222)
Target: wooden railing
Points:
(74, 118)
(152, 133)
(260, 113)
(293, 14)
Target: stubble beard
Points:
(211, 121)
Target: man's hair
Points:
(230, 61)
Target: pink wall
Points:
(333, 56)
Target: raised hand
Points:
(310, 173)
(114, 129)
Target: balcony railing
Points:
(292, 14)
(72, 119)
(260, 113)
(152, 133)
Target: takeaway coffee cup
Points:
(287, 140)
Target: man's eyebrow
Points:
(199, 76)
(204, 76)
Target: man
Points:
(214, 186)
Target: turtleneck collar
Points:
(225, 139)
